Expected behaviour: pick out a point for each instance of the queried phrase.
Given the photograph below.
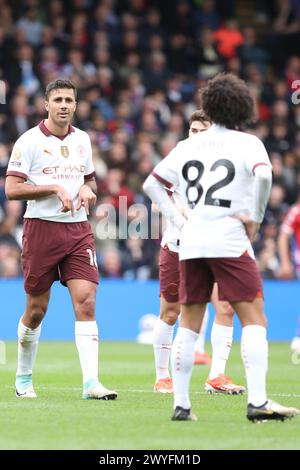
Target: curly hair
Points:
(226, 100)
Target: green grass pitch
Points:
(139, 418)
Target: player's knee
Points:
(169, 315)
(85, 307)
(224, 312)
(36, 312)
(227, 309)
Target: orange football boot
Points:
(202, 359)
(164, 385)
(223, 384)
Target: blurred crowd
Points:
(138, 66)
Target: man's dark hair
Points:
(198, 115)
(227, 101)
(59, 83)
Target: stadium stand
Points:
(138, 69)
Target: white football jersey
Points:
(214, 173)
(171, 234)
(42, 159)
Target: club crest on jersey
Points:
(80, 150)
(64, 151)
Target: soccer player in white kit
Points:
(222, 329)
(51, 167)
(225, 177)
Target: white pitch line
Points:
(290, 395)
(127, 390)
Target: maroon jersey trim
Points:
(16, 173)
(89, 177)
(161, 180)
(259, 164)
(46, 131)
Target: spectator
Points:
(228, 39)
(31, 25)
(138, 69)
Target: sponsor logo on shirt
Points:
(66, 172)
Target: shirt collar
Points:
(46, 131)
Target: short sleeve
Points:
(166, 171)
(256, 155)
(20, 159)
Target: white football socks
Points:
(86, 339)
(254, 351)
(200, 343)
(28, 340)
(221, 341)
(162, 342)
(182, 360)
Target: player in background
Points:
(222, 330)
(225, 176)
(51, 167)
(289, 254)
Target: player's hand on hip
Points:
(251, 226)
(86, 198)
(66, 199)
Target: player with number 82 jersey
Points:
(210, 171)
